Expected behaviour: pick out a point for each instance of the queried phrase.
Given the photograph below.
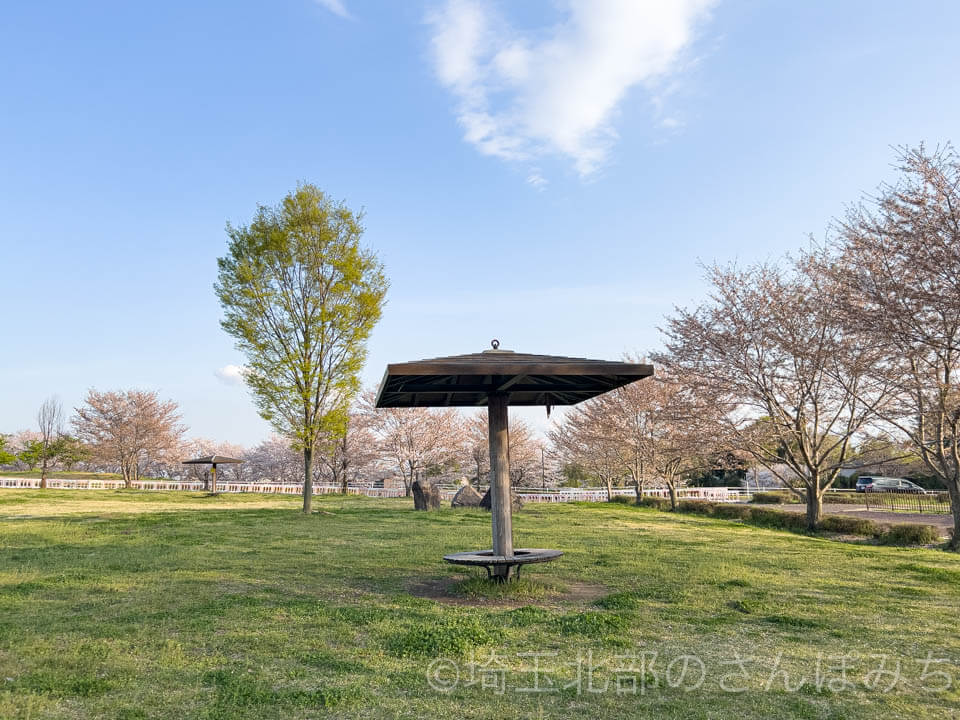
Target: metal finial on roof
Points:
(495, 344)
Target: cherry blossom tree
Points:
(129, 428)
(524, 449)
(345, 457)
(898, 268)
(770, 343)
(417, 440)
(275, 460)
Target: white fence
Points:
(713, 494)
(227, 487)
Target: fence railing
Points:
(713, 494)
(937, 503)
(181, 485)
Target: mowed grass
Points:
(180, 605)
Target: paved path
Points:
(888, 518)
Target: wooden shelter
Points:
(213, 461)
(500, 378)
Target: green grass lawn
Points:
(181, 605)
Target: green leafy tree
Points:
(6, 457)
(301, 297)
(69, 451)
(31, 454)
(574, 475)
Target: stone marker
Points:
(466, 496)
(515, 502)
(426, 495)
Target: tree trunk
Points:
(814, 506)
(673, 495)
(344, 465)
(307, 480)
(43, 474)
(501, 505)
(954, 490)
(609, 490)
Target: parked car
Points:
(883, 484)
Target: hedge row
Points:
(903, 534)
(910, 534)
(775, 497)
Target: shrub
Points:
(770, 498)
(910, 534)
(796, 521)
(622, 499)
(838, 498)
(849, 525)
(778, 519)
(775, 497)
(655, 502)
(697, 507)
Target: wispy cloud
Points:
(523, 94)
(336, 7)
(536, 179)
(231, 374)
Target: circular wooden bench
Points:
(486, 559)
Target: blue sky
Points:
(546, 172)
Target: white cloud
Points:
(536, 179)
(525, 94)
(336, 7)
(231, 374)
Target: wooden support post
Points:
(213, 473)
(501, 503)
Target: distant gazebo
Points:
(500, 378)
(213, 460)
